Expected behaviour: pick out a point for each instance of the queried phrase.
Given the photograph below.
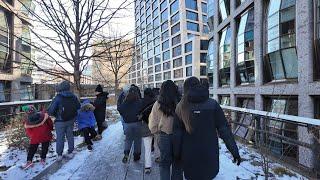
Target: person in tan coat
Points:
(161, 121)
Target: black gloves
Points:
(237, 160)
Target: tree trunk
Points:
(116, 87)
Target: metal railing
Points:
(279, 136)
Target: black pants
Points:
(101, 128)
(89, 133)
(33, 149)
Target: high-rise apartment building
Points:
(265, 55)
(171, 41)
(15, 50)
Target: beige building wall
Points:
(112, 58)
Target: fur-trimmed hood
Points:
(86, 106)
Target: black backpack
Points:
(69, 108)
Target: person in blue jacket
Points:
(86, 122)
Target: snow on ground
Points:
(251, 167)
(14, 158)
(71, 170)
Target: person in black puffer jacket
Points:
(147, 104)
(100, 104)
(196, 125)
(129, 110)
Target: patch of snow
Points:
(250, 167)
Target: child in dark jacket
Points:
(86, 122)
(38, 127)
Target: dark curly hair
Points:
(168, 97)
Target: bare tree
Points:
(69, 29)
(113, 55)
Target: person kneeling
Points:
(38, 127)
(86, 122)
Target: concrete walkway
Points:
(104, 162)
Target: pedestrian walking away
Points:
(147, 104)
(198, 122)
(64, 107)
(129, 110)
(38, 127)
(161, 121)
(120, 100)
(100, 104)
(86, 122)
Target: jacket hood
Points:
(66, 94)
(198, 94)
(35, 118)
(63, 86)
(86, 106)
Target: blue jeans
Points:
(64, 129)
(166, 159)
(133, 137)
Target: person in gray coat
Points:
(64, 108)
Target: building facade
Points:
(15, 50)
(111, 63)
(264, 55)
(171, 41)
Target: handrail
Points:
(298, 119)
(33, 102)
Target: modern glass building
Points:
(265, 55)
(171, 41)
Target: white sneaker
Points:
(69, 155)
(59, 158)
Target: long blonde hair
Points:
(183, 108)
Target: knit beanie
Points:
(99, 88)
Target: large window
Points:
(163, 5)
(27, 6)
(188, 59)
(225, 57)
(245, 47)
(5, 87)
(176, 51)
(175, 18)
(4, 39)
(188, 47)
(189, 71)
(166, 55)
(157, 59)
(204, 45)
(192, 26)
(224, 9)
(26, 65)
(176, 40)
(210, 13)
(281, 52)
(164, 15)
(283, 105)
(246, 119)
(175, 29)
(203, 57)
(158, 77)
(165, 35)
(167, 75)
(204, 7)
(174, 7)
(157, 68)
(165, 45)
(192, 16)
(177, 62)
(203, 70)
(178, 73)
(191, 4)
(210, 62)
